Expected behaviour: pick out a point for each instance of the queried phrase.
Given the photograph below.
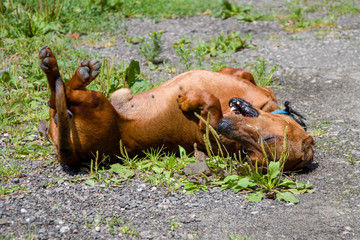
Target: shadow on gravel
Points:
(71, 171)
(309, 168)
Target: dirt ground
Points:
(318, 73)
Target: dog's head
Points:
(261, 132)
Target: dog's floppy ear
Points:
(309, 141)
(308, 144)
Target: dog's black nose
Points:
(224, 127)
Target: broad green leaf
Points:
(303, 185)
(274, 169)
(189, 186)
(117, 180)
(300, 191)
(90, 182)
(243, 183)
(216, 182)
(117, 168)
(131, 72)
(145, 165)
(167, 174)
(182, 152)
(203, 188)
(287, 197)
(255, 196)
(231, 178)
(122, 171)
(226, 186)
(157, 169)
(171, 162)
(152, 66)
(246, 183)
(287, 183)
(140, 86)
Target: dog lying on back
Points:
(85, 122)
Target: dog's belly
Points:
(153, 102)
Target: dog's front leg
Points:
(84, 75)
(204, 103)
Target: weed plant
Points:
(182, 48)
(218, 46)
(30, 18)
(115, 225)
(216, 65)
(151, 48)
(9, 168)
(261, 72)
(224, 45)
(296, 19)
(241, 12)
(10, 189)
(239, 237)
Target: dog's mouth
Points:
(240, 106)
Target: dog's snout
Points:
(224, 126)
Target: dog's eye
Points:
(244, 151)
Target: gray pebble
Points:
(64, 229)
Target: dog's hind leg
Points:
(204, 103)
(59, 115)
(84, 75)
(50, 67)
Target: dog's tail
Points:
(65, 146)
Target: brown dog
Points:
(84, 122)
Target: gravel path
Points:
(318, 73)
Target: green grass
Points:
(297, 21)
(115, 225)
(220, 46)
(239, 237)
(10, 189)
(151, 48)
(297, 17)
(263, 75)
(168, 9)
(9, 168)
(241, 12)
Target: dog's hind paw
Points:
(48, 61)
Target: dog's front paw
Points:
(190, 100)
(48, 61)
